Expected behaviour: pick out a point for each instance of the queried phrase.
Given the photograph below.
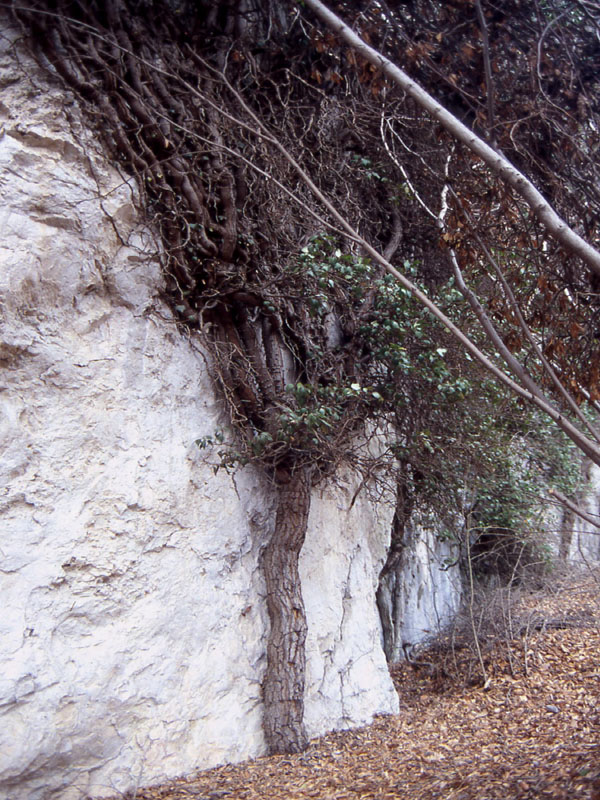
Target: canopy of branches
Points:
(217, 109)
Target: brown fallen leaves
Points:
(533, 734)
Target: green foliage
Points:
(460, 446)
(400, 336)
(369, 171)
(466, 449)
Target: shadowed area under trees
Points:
(237, 119)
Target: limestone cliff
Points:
(134, 623)
(133, 616)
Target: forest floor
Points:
(533, 732)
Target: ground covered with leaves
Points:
(533, 732)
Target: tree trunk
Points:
(567, 526)
(389, 590)
(283, 686)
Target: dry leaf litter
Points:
(532, 733)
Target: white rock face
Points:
(581, 540)
(132, 631)
(422, 594)
(346, 667)
(431, 588)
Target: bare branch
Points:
(554, 224)
(512, 301)
(529, 390)
(575, 509)
(488, 68)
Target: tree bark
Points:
(389, 589)
(283, 685)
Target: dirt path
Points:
(531, 734)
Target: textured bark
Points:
(283, 686)
(567, 525)
(388, 592)
(389, 589)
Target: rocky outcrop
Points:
(578, 541)
(133, 616)
(420, 596)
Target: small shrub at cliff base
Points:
(507, 511)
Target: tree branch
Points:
(512, 301)
(575, 509)
(534, 395)
(489, 83)
(554, 224)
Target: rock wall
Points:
(422, 594)
(579, 541)
(133, 618)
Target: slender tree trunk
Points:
(389, 589)
(283, 686)
(567, 525)
(387, 598)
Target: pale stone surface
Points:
(132, 633)
(430, 588)
(345, 548)
(583, 546)
(423, 593)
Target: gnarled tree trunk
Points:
(389, 590)
(283, 686)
